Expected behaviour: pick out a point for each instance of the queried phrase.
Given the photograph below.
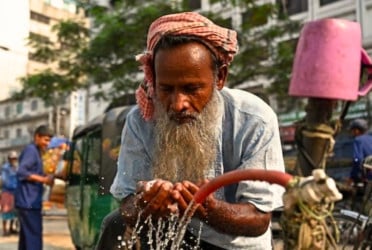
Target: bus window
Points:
(76, 163)
(93, 157)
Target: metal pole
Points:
(314, 136)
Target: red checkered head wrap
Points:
(221, 40)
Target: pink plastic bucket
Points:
(328, 61)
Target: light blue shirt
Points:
(248, 137)
(9, 178)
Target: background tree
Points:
(267, 39)
(119, 33)
(62, 73)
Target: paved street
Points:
(56, 234)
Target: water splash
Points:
(164, 233)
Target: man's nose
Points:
(179, 102)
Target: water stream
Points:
(164, 233)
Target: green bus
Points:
(91, 170)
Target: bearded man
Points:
(188, 128)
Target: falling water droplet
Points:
(164, 232)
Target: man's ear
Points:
(222, 76)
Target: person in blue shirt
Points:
(362, 147)
(29, 192)
(9, 184)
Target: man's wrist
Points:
(129, 209)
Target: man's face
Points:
(13, 161)
(355, 132)
(42, 141)
(184, 80)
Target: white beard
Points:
(186, 151)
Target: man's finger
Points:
(161, 198)
(152, 188)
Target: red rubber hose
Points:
(271, 176)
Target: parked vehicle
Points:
(91, 169)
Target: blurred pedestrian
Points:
(9, 184)
(54, 160)
(28, 198)
(362, 148)
(55, 164)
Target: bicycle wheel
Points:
(350, 228)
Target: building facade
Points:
(354, 10)
(18, 119)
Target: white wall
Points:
(95, 107)
(77, 111)
(14, 27)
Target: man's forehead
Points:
(193, 49)
(44, 137)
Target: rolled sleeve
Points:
(267, 155)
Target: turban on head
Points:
(222, 40)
